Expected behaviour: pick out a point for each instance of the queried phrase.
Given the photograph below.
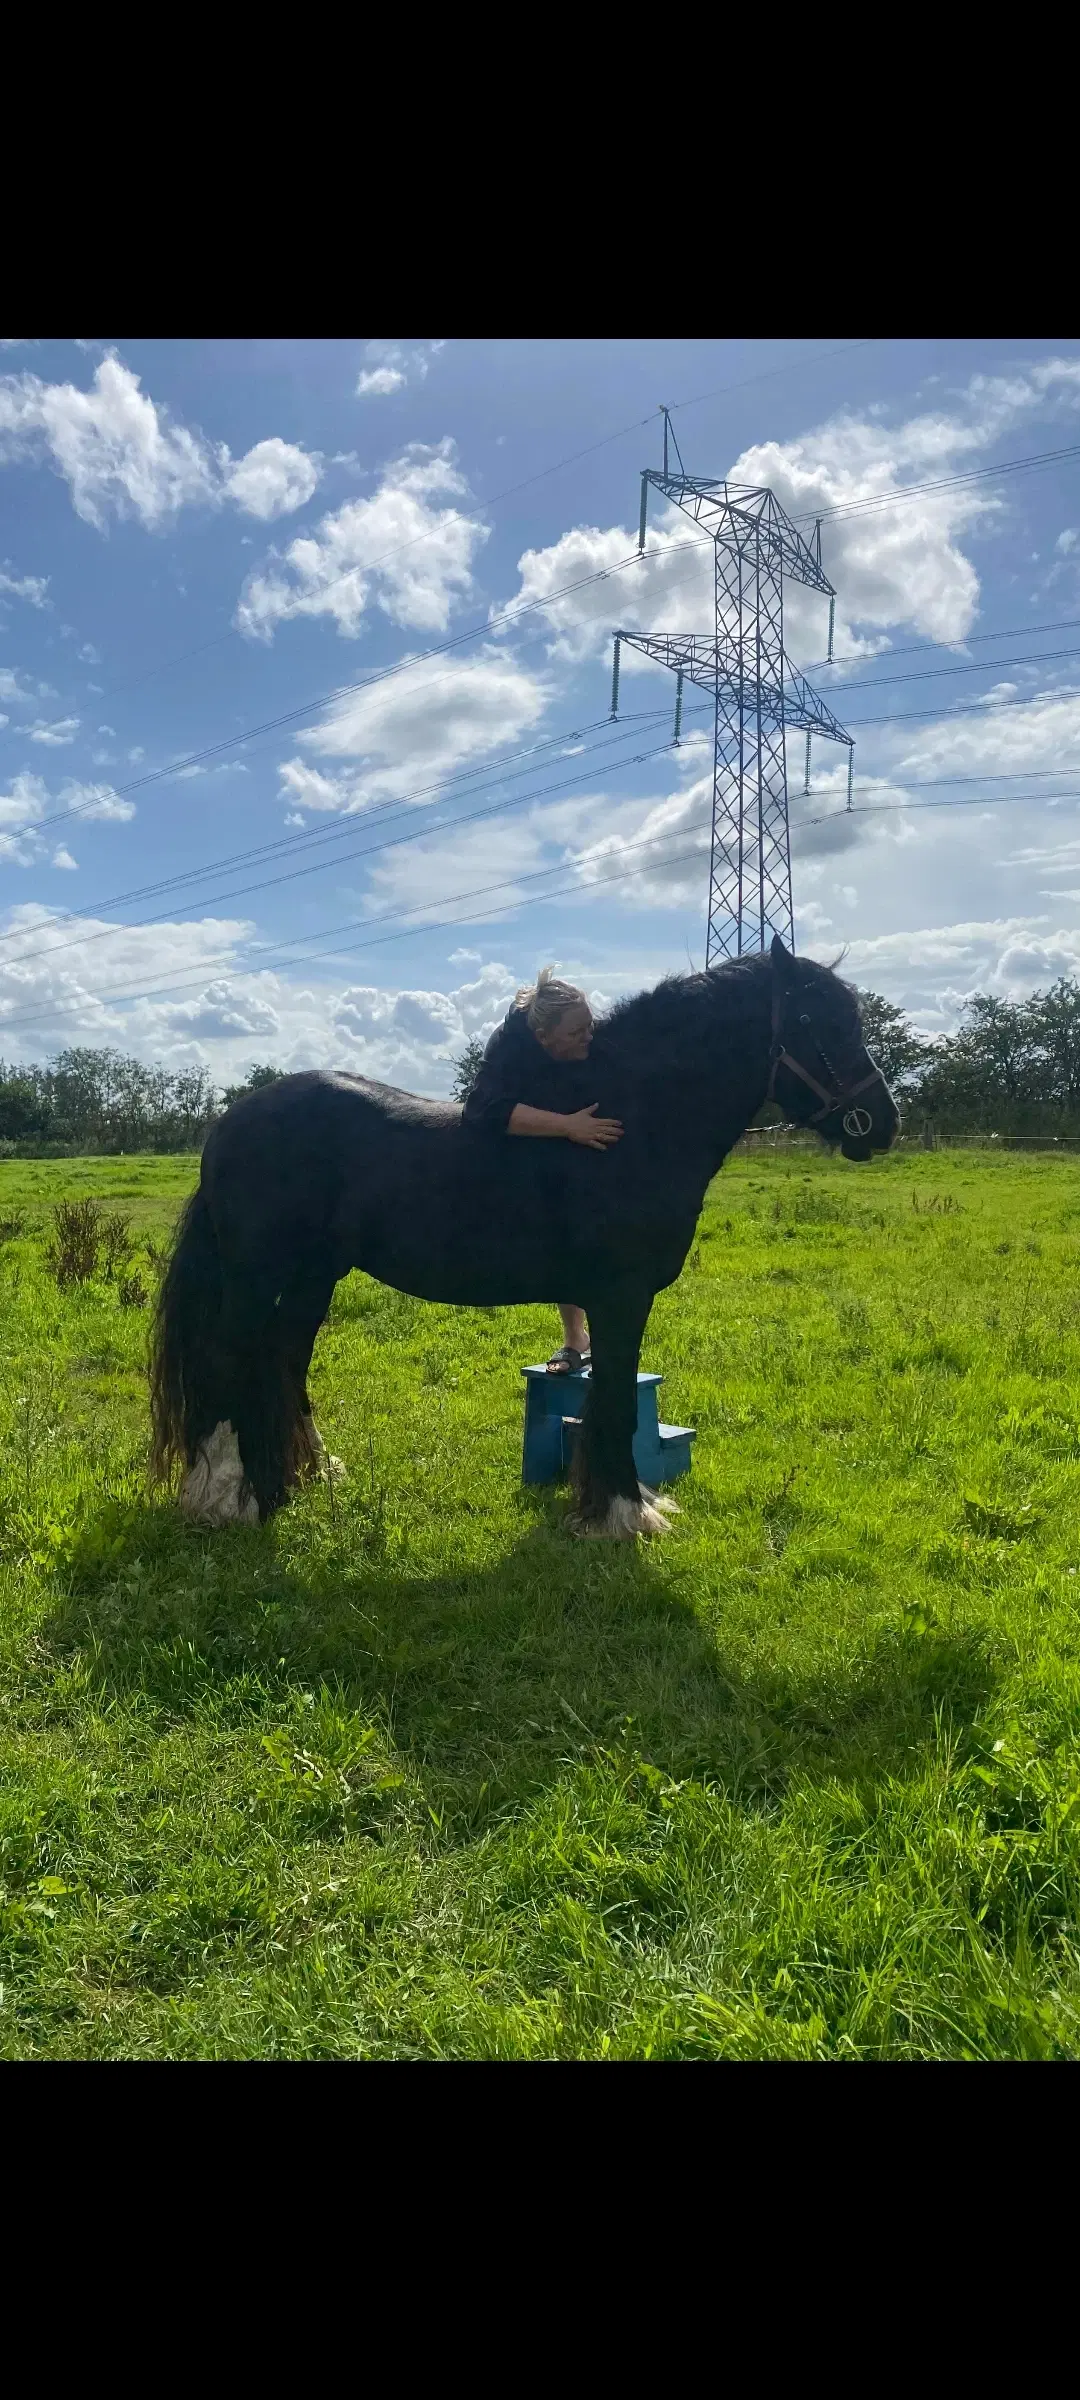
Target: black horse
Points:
(322, 1172)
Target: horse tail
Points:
(183, 1401)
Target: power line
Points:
(340, 833)
(903, 808)
(972, 666)
(166, 991)
(941, 483)
(1005, 633)
(347, 691)
(346, 824)
(505, 616)
(285, 955)
(371, 850)
(314, 837)
(475, 516)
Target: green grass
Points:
(410, 1774)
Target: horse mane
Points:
(683, 1011)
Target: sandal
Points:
(568, 1362)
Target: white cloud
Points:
(976, 952)
(62, 857)
(235, 1011)
(406, 732)
(223, 1009)
(428, 876)
(273, 478)
(377, 383)
(56, 735)
(401, 551)
(98, 801)
(119, 452)
(90, 657)
(1004, 737)
(21, 805)
(669, 589)
(34, 588)
(55, 989)
(27, 799)
(13, 688)
(414, 1035)
(390, 367)
(306, 788)
(1068, 540)
(429, 1018)
(658, 853)
(124, 455)
(892, 566)
(1010, 736)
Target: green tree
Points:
(21, 1110)
(255, 1080)
(467, 1067)
(899, 1051)
(1055, 1023)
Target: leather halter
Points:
(841, 1094)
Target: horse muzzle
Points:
(864, 1125)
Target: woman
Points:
(549, 1027)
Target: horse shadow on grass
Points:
(488, 1679)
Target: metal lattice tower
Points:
(757, 694)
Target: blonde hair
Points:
(546, 1000)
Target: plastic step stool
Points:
(553, 1412)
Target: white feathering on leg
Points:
(213, 1489)
(626, 1519)
(661, 1501)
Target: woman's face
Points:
(572, 1033)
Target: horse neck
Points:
(706, 1088)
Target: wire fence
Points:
(911, 1137)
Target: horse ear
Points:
(781, 955)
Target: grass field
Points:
(410, 1774)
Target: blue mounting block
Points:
(553, 1410)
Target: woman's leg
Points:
(575, 1336)
(575, 1326)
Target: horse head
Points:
(820, 1069)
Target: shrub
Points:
(116, 1242)
(73, 1256)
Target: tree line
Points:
(88, 1100)
(1011, 1066)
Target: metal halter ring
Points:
(858, 1123)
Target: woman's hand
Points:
(593, 1132)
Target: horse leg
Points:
(301, 1309)
(242, 1469)
(610, 1500)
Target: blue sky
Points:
(200, 538)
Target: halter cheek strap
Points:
(841, 1094)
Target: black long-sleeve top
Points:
(517, 1067)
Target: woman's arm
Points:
(584, 1126)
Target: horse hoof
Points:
(624, 1520)
(214, 1490)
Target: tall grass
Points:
(409, 1774)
